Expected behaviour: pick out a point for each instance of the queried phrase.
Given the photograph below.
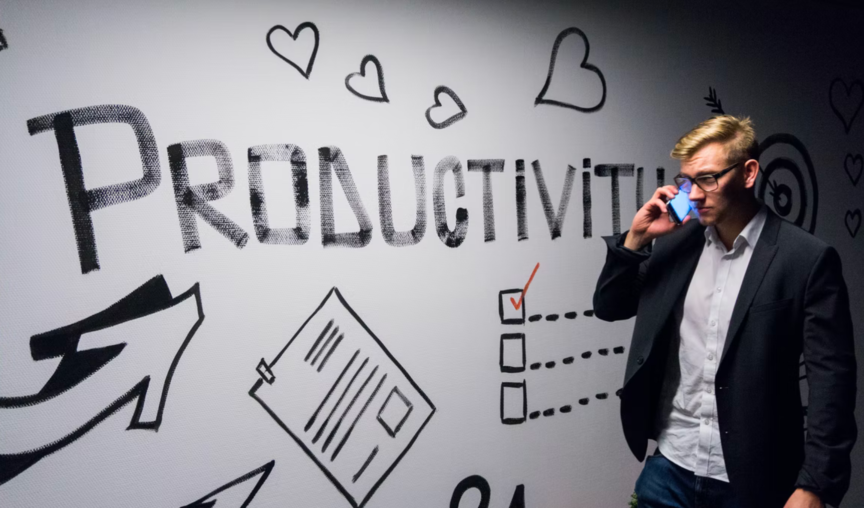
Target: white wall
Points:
(204, 71)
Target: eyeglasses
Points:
(707, 183)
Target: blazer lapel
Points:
(761, 259)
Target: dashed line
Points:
(554, 317)
(568, 408)
(569, 360)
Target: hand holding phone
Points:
(655, 218)
(679, 207)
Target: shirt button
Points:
(710, 356)
(718, 290)
(713, 322)
(710, 390)
(707, 421)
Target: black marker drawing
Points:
(661, 177)
(212, 499)
(331, 157)
(514, 402)
(508, 314)
(487, 167)
(535, 317)
(342, 397)
(382, 97)
(3, 43)
(713, 102)
(302, 26)
(588, 313)
(553, 220)
(521, 217)
(82, 201)
(455, 237)
(854, 166)
(453, 118)
(88, 352)
(853, 221)
(471, 482)
(512, 356)
(794, 193)
(541, 98)
(385, 207)
(640, 182)
(194, 199)
(552, 317)
(846, 101)
(570, 315)
(614, 171)
(586, 204)
(285, 236)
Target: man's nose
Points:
(696, 193)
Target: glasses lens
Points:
(683, 183)
(707, 183)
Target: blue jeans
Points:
(664, 484)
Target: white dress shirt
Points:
(688, 430)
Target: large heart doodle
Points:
(853, 217)
(363, 63)
(854, 165)
(302, 26)
(846, 105)
(541, 98)
(452, 119)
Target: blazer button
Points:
(640, 360)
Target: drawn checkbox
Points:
(514, 403)
(512, 352)
(508, 312)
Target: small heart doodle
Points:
(853, 221)
(846, 100)
(302, 26)
(382, 97)
(854, 165)
(541, 98)
(454, 118)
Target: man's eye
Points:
(705, 179)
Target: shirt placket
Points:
(712, 341)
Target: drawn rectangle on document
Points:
(344, 399)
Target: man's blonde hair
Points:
(736, 134)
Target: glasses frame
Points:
(681, 180)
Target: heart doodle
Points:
(452, 119)
(853, 217)
(848, 104)
(363, 63)
(541, 98)
(854, 165)
(300, 28)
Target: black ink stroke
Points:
(853, 221)
(521, 216)
(281, 236)
(3, 43)
(661, 177)
(212, 499)
(614, 171)
(507, 418)
(331, 157)
(82, 201)
(541, 97)
(455, 237)
(302, 26)
(713, 102)
(385, 204)
(194, 200)
(854, 166)
(848, 105)
(453, 118)
(586, 205)
(784, 197)
(472, 482)
(382, 97)
(487, 167)
(507, 341)
(77, 366)
(555, 221)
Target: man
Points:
(725, 306)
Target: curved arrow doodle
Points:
(212, 498)
(300, 28)
(541, 98)
(849, 104)
(88, 350)
(383, 92)
(455, 118)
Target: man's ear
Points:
(751, 171)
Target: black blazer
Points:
(793, 299)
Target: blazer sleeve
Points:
(617, 294)
(829, 357)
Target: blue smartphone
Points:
(679, 206)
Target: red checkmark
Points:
(519, 303)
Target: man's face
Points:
(714, 206)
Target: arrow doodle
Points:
(211, 499)
(154, 325)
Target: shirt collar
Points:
(749, 235)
